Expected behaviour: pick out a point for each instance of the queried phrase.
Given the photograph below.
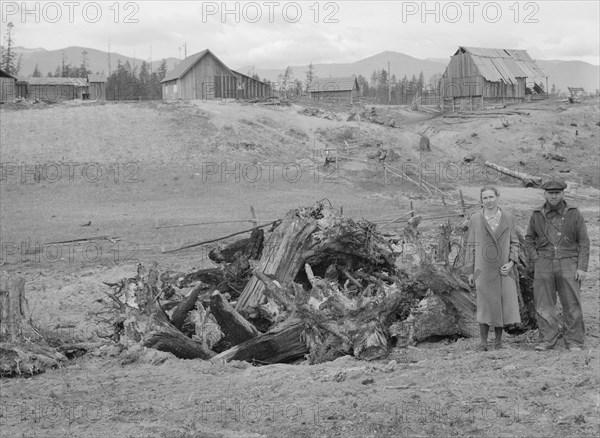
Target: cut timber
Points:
(528, 180)
(235, 328)
(284, 344)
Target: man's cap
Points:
(554, 185)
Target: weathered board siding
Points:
(97, 91)
(463, 79)
(249, 88)
(7, 89)
(207, 79)
(54, 92)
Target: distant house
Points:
(334, 89)
(97, 87)
(55, 89)
(7, 86)
(475, 75)
(204, 76)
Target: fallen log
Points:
(284, 344)
(528, 180)
(187, 304)
(234, 327)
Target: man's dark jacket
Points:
(574, 241)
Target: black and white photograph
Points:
(266, 219)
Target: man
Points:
(557, 240)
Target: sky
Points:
(274, 34)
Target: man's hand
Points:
(580, 275)
(471, 281)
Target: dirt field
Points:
(120, 170)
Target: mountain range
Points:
(561, 73)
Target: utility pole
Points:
(62, 72)
(150, 58)
(184, 50)
(109, 70)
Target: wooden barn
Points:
(338, 89)
(8, 86)
(476, 75)
(56, 89)
(204, 76)
(97, 87)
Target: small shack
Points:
(56, 89)
(337, 89)
(7, 86)
(477, 75)
(96, 87)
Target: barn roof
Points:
(238, 74)
(4, 74)
(78, 82)
(345, 83)
(96, 78)
(505, 65)
(183, 67)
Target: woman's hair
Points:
(486, 188)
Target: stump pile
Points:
(319, 286)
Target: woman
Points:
(492, 252)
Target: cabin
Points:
(55, 89)
(8, 86)
(96, 87)
(476, 75)
(204, 76)
(339, 89)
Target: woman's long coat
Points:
(486, 252)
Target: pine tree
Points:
(144, 77)
(36, 72)
(310, 75)
(162, 70)
(18, 67)
(8, 52)
(285, 79)
(420, 82)
(363, 84)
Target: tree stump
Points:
(18, 353)
(13, 307)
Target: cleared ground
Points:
(121, 170)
